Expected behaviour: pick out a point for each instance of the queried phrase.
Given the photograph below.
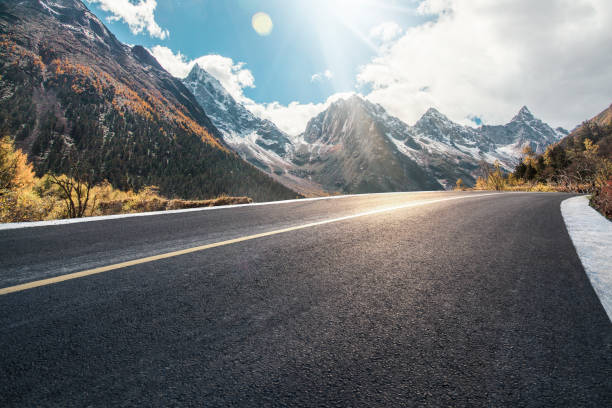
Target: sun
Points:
(262, 23)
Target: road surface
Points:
(412, 299)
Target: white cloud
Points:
(176, 64)
(475, 58)
(487, 59)
(234, 77)
(294, 117)
(386, 32)
(435, 7)
(138, 16)
(327, 74)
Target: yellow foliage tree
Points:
(15, 171)
(18, 200)
(459, 184)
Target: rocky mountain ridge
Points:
(333, 150)
(259, 141)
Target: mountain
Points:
(69, 88)
(347, 148)
(431, 155)
(356, 146)
(524, 129)
(436, 126)
(350, 148)
(257, 140)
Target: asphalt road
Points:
(478, 301)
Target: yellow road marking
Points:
(95, 271)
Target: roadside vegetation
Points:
(575, 165)
(26, 197)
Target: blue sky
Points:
(467, 58)
(308, 38)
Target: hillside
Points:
(69, 90)
(580, 162)
(598, 129)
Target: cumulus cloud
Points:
(483, 58)
(138, 16)
(234, 77)
(294, 117)
(175, 63)
(319, 76)
(386, 32)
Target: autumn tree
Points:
(459, 185)
(18, 202)
(15, 171)
(496, 179)
(75, 187)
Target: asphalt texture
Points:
(473, 302)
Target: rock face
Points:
(524, 130)
(69, 88)
(350, 148)
(257, 140)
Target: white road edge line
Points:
(31, 224)
(591, 234)
(102, 269)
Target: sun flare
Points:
(262, 23)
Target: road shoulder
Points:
(591, 234)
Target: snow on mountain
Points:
(257, 140)
(444, 149)
(436, 126)
(356, 146)
(350, 148)
(523, 130)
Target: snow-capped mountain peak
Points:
(198, 77)
(356, 146)
(257, 140)
(523, 130)
(433, 118)
(433, 113)
(523, 115)
(437, 126)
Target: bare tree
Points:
(75, 188)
